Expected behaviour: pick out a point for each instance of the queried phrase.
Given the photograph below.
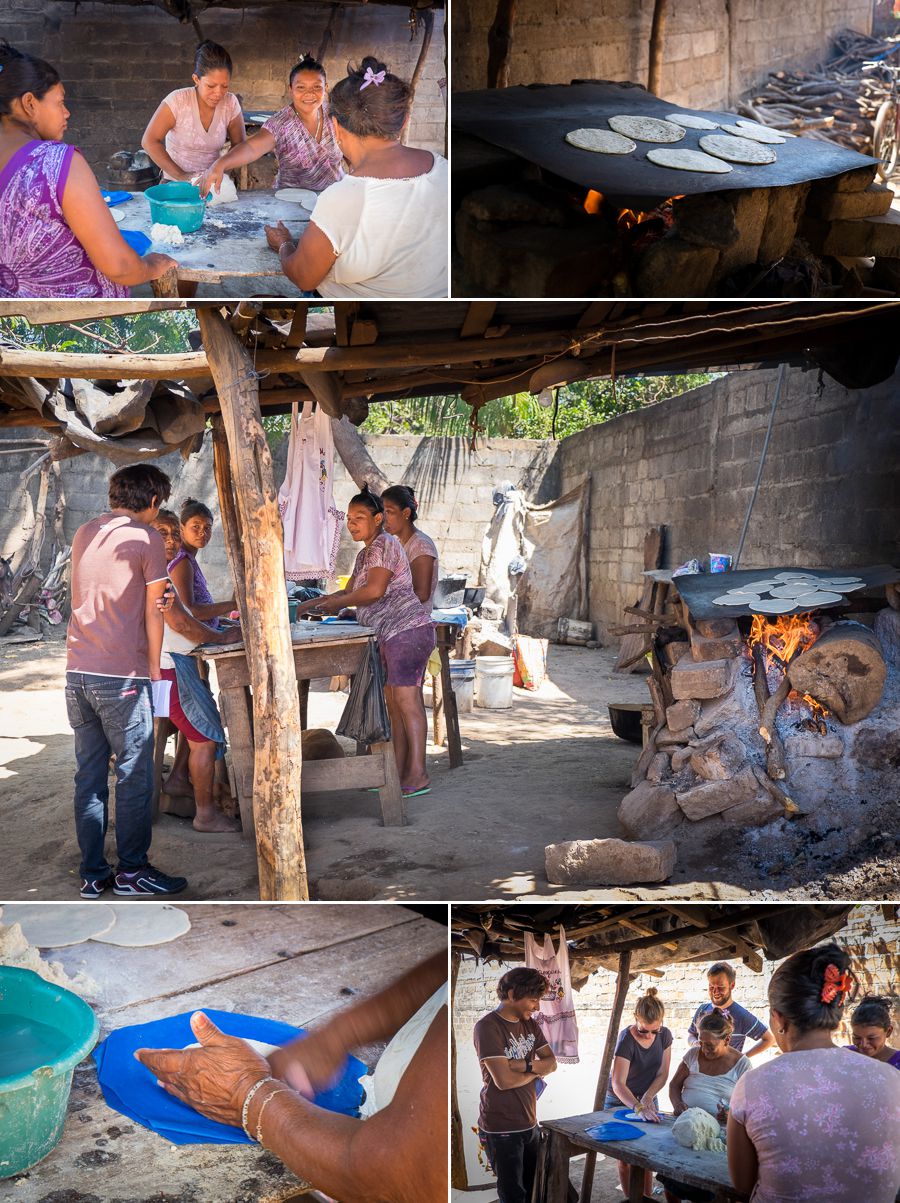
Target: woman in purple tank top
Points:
(187, 575)
(871, 1026)
(57, 236)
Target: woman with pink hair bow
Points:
(381, 231)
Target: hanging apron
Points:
(311, 521)
(557, 1013)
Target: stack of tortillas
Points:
(787, 591)
(130, 924)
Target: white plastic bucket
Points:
(462, 679)
(494, 682)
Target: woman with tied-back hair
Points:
(401, 511)
(871, 1026)
(381, 589)
(188, 132)
(57, 235)
(815, 1124)
(381, 231)
(301, 135)
(640, 1067)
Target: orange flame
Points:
(783, 639)
(593, 201)
(629, 218)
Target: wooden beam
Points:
(267, 636)
(428, 24)
(623, 981)
(326, 388)
(500, 39)
(657, 45)
(56, 364)
(348, 443)
(478, 318)
(747, 914)
(44, 313)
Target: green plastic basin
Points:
(33, 1102)
(177, 204)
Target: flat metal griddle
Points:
(532, 122)
(698, 590)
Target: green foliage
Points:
(521, 416)
(160, 332)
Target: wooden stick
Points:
(54, 364)
(278, 754)
(784, 799)
(639, 772)
(428, 21)
(775, 761)
(623, 980)
(500, 39)
(657, 42)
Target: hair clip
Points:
(836, 983)
(372, 77)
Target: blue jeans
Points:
(112, 716)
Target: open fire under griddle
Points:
(532, 122)
(698, 590)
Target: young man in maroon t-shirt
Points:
(113, 644)
(514, 1056)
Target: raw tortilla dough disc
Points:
(777, 605)
(258, 1046)
(604, 141)
(299, 196)
(769, 136)
(56, 926)
(782, 133)
(737, 150)
(729, 599)
(139, 924)
(691, 121)
(686, 160)
(117, 215)
(819, 598)
(647, 129)
(797, 589)
(759, 586)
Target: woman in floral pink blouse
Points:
(814, 1125)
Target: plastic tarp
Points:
(550, 541)
(132, 1090)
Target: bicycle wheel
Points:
(885, 142)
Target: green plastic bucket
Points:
(177, 203)
(33, 1102)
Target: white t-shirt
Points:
(708, 1090)
(390, 235)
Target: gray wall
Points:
(118, 62)
(714, 49)
(828, 495)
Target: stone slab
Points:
(871, 202)
(825, 747)
(708, 680)
(722, 647)
(755, 812)
(868, 236)
(713, 797)
(671, 259)
(658, 767)
(649, 812)
(786, 207)
(682, 714)
(720, 762)
(608, 862)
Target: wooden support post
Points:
(657, 45)
(166, 285)
(612, 1032)
(266, 629)
(459, 1179)
(428, 29)
(500, 39)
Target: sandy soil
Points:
(549, 769)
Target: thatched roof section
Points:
(656, 934)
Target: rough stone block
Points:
(608, 862)
(712, 797)
(671, 259)
(869, 236)
(750, 210)
(649, 812)
(786, 207)
(721, 647)
(723, 760)
(871, 202)
(671, 653)
(755, 812)
(673, 739)
(714, 627)
(682, 714)
(887, 628)
(710, 680)
(853, 181)
(706, 220)
(525, 203)
(658, 767)
(826, 747)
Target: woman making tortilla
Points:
(57, 235)
(381, 230)
(188, 131)
(398, 1154)
(301, 135)
(381, 588)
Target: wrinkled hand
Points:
(157, 265)
(214, 1079)
(277, 236)
(648, 1111)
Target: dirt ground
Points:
(549, 769)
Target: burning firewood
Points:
(843, 670)
(775, 791)
(775, 758)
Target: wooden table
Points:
(656, 1150)
(231, 241)
(296, 964)
(321, 651)
(445, 718)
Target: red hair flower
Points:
(835, 983)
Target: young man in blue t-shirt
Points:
(721, 978)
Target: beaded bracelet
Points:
(265, 1103)
(245, 1110)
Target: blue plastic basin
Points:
(177, 204)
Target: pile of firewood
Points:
(837, 102)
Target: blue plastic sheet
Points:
(613, 1130)
(624, 1113)
(131, 1089)
(137, 240)
(116, 198)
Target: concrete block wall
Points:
(827, 498)
(118, 62)
(871, 937)
(453, 485)
(714, 49)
